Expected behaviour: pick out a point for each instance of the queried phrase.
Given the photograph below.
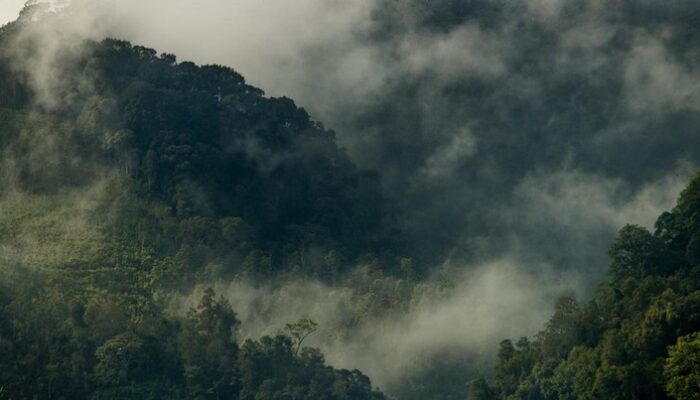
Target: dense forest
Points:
(134, 186)
(637, 338)
(152, 176)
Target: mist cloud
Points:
(516, 137)
(458, 310)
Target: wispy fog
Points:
(515, 138)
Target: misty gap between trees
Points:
(500, 203)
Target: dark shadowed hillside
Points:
(168, 230)
(132, 179)
(198, 143)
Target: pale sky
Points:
(9, 10)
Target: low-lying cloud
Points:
(461, 310)
(515, 138)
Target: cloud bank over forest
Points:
(459, 104)
(460, 321)
(515, 137)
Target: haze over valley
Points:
(349, 200)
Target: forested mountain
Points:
(141, 198)
(198, 141)
(135, 177)
(637, 338)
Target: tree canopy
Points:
(636, 338)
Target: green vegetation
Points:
(140, 178)
(54, 345)
(143, 177)
(637, 338)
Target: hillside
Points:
(198, 147)
(139, 177)
(637, 338)
(169, 231)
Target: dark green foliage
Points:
(208, 144)
(635, 339)
(637, 253)
(160, 174)
(56, 352)
(299, 331)
(479, 390)
(194, 147)
(271, 370)
(208, 351)
(142, 177)
(681, 370)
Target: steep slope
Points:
(127, 179)
(206, 157)
(637, 338)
